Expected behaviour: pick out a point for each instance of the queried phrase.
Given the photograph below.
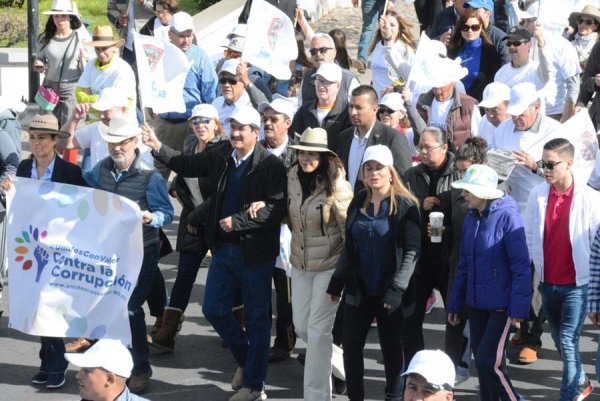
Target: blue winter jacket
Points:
(494, 271)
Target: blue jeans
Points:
(189, 264)
(139, 344)
(52, 355)
(371, 10)
(565, 306)
(228, 275)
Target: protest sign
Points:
(502, 162)
(162, 71)
(74, 255)
(270, 44)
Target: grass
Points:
(13, 20)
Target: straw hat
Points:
(590, 10)
(313, 140)
(103, 37)
(118, 129)
(62, 7)
(46, 124)
(481, 181)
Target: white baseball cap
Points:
(393, 101)
(230, 66)
(522, 96)
(330, 71)
(118, 129)
(204, 110)
(436, 368)
(236, 44)
(246, 115)
(494, 94)
(111, 97)
(181, 22)
(280, 104)
(111, 355)
(379, 153)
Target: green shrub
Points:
(14, 29)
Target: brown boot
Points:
(157, 325)
(164, 338)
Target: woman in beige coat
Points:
(318, 196)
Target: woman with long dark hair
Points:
(381, 249)
(61, 56)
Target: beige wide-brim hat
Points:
(46, 124)
(313, 140)
(118, 130)
(62, 7)
(588, 10)
(103, 37)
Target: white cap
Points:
(280, 104)
(238, 30)
(446, 71)
(379, 153)
(230, 66)
(111, 355)
(236, 43)
(494, 94)
(204, 110)
(181, 22)
(330, 71)
(246, 115)
(522, 96)
(436, 368)
(118, 129)
(393, 100)
(111, 97)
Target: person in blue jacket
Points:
(493, 277)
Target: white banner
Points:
(162, 70)
(270, 42)
(74, 255)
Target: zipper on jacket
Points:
(320, 207)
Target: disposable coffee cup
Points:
(436, 219)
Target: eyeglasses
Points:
(230, 81)
(425, 149)
(273, 118)
(585, 21)
(385, 110)
(515, 43)
(200, 120)
(474, 28)
(548, 165)
(321, 50)
(323, 82)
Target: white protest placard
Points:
(270, 42)
(162, 71)
(74, 255)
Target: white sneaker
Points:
(238, 379)
(246, 394)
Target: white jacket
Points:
(584, 219)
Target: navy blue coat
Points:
(494, 269)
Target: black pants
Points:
(433, 273)
(285, 337)
(357, 320)
(426, 11)
(531, 330)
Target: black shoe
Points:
(40, 378)
(277, 354)
(339, 386)
(301, 358)
(138, 382)
(56, 380)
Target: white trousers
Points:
(313, 320)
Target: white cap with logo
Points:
(111, 355)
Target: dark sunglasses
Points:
(230, 81)
(200, 120)
(385, 110)
(515, 43)
(321, 50)
(585, 21)
(548, 165)
(474, 28)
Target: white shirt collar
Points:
(367, 135)
(243, 159)
(278, 151)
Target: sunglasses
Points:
(474, 28)
(585, 21)
(200, 120)
(321, 50)
(548, 165)
(230, 81)
(515, 43)
(385, 110)
(323, 82)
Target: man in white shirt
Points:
(495, 102)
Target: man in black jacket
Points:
(368, 131)
(244, 247)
